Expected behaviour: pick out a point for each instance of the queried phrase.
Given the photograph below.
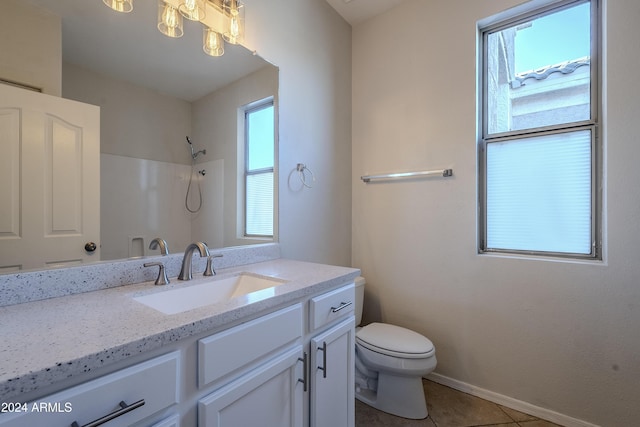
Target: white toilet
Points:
(390, 363)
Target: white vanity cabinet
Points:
(332, 364)
(127, 396)
(279, 368)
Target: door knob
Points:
(90, 247)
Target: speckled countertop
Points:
(49, 340)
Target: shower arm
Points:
(194, 155)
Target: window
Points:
(539, 149)
(259, 177)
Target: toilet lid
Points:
(394, 341)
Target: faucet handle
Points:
(162, 278)
(209, 271)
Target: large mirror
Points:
(153, 92)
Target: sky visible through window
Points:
(552, 39)
(261, 134)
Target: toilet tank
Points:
(359, 298)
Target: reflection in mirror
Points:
(153, 93)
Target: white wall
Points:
(558, 335)
(31, 46)
(134, 121)
(311, 45)
(215, 127)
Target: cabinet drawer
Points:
(237, 347)
(328, 307)
(154, 382)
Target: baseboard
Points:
(518, 405)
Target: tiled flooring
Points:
(451, 408)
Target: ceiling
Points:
(357, 11)
(129, 47)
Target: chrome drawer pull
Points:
(323, 349)
(305, 366)
(342, 305)
(115, 414)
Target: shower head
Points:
(195, 154)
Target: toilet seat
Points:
(394, 341)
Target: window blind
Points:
(539, 193)
(259, 204)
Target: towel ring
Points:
(301, 167)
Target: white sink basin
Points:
(188, 297)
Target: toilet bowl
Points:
(390, 363)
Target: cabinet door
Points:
(332, 376)
(270, 395)
(173, 421)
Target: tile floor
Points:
(451, 408)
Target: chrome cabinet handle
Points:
(323, 349)
(305, 366)
(124, 408)
(342, 306)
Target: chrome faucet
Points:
(185, 271)
(164, 249)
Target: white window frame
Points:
(510, 19)
(251, 108)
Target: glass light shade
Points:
(234, 33)
(192, 9)
(212, 42)
(169, 20)
(125, 6)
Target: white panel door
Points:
(332, 376)
(49, 180)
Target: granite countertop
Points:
(53, 339)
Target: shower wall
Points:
(207, 224)
(143, 199)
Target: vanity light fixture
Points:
(235, 29)
(212, 43)
(125, 6)
(193, 10)
(169, 20)
(222, 20)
